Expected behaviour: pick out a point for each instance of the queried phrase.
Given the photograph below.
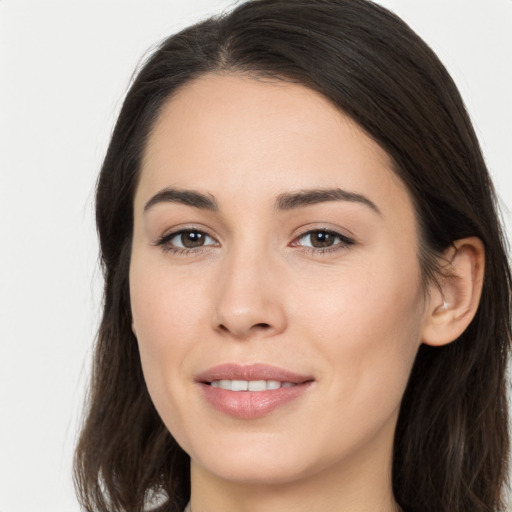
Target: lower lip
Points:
(250, 405)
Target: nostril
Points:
(259, 326)
(262, 326)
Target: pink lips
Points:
(251, 404)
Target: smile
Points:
(250, 385)
(251, 391)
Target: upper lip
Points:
(233, 371)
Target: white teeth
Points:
(250, 385)
(257, 385)
(239, 385)
(224, 384)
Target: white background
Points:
(64, 68)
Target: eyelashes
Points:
(195, 241)
(322, 240)
(186, 241)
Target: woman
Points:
(307, 296)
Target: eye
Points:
(190, 239)
(323, 240)
(185, 240)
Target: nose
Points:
(249, 297)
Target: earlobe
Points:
(455, 297)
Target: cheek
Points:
(368, 327)
(167, 309)
(166, 305)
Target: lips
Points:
(251, 391)
(251, 372)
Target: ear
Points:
(455, 297)
(133, 328)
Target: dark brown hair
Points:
(451, 443)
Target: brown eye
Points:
(322, 239)
(190, 239)
(185, 240)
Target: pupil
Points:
(191, 239)
(322, 239)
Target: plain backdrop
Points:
(64, 68)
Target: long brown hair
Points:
(451, 443)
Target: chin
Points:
(259, 460)
(251, 471)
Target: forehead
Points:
(236, 136)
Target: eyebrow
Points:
(285, 202)
(301, 198)
(186, 197)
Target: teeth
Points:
(250, 385)
(239, 385)
(257, 385)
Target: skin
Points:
(255, 292)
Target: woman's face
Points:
(276, 252)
